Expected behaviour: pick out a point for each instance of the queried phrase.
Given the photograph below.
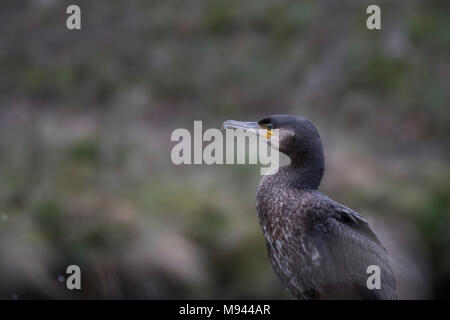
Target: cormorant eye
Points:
(268, 127)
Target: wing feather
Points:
(343, 236)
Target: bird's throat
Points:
(304, 172)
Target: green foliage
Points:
(85, 150)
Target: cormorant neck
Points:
(306, 171)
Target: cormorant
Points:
(319, 249)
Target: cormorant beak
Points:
(246, 126)
(254, 127)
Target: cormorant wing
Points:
(347, 247)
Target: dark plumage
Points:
(318, 248)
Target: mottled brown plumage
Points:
(318, 248)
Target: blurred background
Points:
(86, 118)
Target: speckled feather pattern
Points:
(319, 248)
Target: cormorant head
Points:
(297, 137)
